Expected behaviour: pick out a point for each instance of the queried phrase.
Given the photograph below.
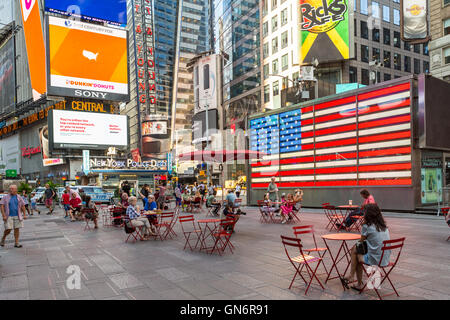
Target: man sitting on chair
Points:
(212, 203)
(136, 220)
(231, 201)
(368, 199)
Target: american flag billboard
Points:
(359, 140)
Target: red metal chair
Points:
(357, 223)
(300, 230)
(333, 217)
(292, 247)
(89, 212)
(164, 223)
(445, 212)
(186, 221)
(117, 215)
(265, 218)
(384, 271)
(133, 232)
(223, 235)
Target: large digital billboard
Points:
(111, 11)
(326, 30)
(358, 140)
(34, 39)
(7, 81)
(87, 60)
(413, 21)
(82, 130)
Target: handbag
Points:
(361, 247)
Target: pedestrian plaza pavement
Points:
(258, 269)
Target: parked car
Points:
(97, 194)
(39, 191)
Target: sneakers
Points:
(283, 222)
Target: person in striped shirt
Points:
(136, 220)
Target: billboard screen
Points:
(87, 61)
(47, 160)
(78, 130)
(7, 79)
(205, 84)
(155, 136)
(325, 30)
(10, 154)
(34, 39)
(111, 11)
(359, 140)
(6, 12)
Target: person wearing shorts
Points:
(33, 201)
(75, 206)
(66, 202)
(49, 194)
(26, 201)
(13, 212)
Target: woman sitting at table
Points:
(286, 208)
(197, 202)
(368, 198)
(298, 198)
(186, 200)
(92, 216)
(136, 220)
(124, 202)
(374, 232)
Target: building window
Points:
(396, 17)
(364, 53)
(265, 7)
(275, 66)
(266, 71)
(417, 48)
(407, 46)
(446, 2)
(267, 93)
(295, 77)
(386, 14)
(447, 55)
(355, 33)
(365, 77)
(375, 10)
(387, 59)
(446, 26)
(363, 6)
(284, 40)
(407, 64)
(265, 29)
(425, 49)
(364, 30)
(274, 4)
(397, 61)
(426, 67)
(284, 17)
(353, 74)
(284, 62)
(396, 1)
(375, 54)
(275, 45)
(376, 34)
(387, 77)
(285, 82)
(274, 23)
(386, 36)
(416, 66)
(266, 50)
(397, 42)
(276, 88)
(356, 51)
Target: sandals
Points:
(356, 288)
(17, 245)
(345, 283)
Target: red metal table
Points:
(343, 248)
(207, 227)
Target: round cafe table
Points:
(343, 251)
(207, 228)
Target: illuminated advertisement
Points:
(98, 67)
(34, 40)
(431, 183)
(7, 81)
(155, 137)
(359, 140)
(10, 154)
(111, 11)
(82, 130)
(47, 160)
(325, 30)
(413, 21)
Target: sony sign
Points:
(90, 94)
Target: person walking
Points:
(162, 196)
(66, 202)
(49, 194)
(178, 196)
(13, 212)
(26, 201)
(238, 190)
(33, 201)
(272, 189)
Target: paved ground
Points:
(112, 269)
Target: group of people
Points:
(74, 202)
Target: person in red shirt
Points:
(75, 206)
(368, 199)
(66, 202)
